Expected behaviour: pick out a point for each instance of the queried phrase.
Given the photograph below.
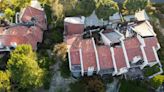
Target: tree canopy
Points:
(135, 5)
(85, 7)
(95, 84)
(24, 68)
(60, 50)
(9, 7)
(106, 8)
(9, 13)
(58, 9)
(157, 80)
(4, 81)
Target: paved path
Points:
(114, 86)
(59, 83)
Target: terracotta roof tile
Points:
(105, 58)
(88, 54)
(75, 42)
(70, 39)
(74, 28)
(133, 48)
(150, 54)
(38, 14)
(151, 41)
(119, 57)
(32, 40)
(7, 39)
(22, 35)
(132, 43)
(38, 33)
(75, 57)
(17, 30)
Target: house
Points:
(29, 27)
(94, 48)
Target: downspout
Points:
(69, 56)
(81, 61)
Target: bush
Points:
(47, 79)
(157, 81)
(78, 86)
(64, 69)
(48, 12)
(132, 86)
(88, 84)
(148, 71)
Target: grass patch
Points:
(132, 86)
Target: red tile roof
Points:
(133, 48)
(75, 57)
(119, 57)
(88, 54)
(132, 43)
(30, 12)
(7, 39)
(17, 30)
(75, 42)
(133, 52)
(105, 57)
(32, 40)
(74, 28)
(150, 54)
(21, 35)
(151, 41)
(71, 39)
(37, 32)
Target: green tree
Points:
(44, 2)
(94, 84)
(9, 13)
(58, 9)
(157, 80)
(60, 51)
(69, 7)
(62, 8)
(4, 81)
(85, 7)
(106, 8)
(88, 84)
(131, 6)
(19, 3)
(3, 5)
(25, 72)
(13, 4)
